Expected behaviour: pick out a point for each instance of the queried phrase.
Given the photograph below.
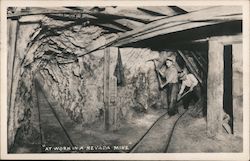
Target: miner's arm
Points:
(168, 79)
(183, 86)
(161, 82)
(194, 81)
(159, 74)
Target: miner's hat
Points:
(170, 58)
(181, 74)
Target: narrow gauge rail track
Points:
(45, 125)
(54, 124)
(66, 137)
(165, 116)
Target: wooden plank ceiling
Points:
(111, 18)
(205, 17)
(137, 24)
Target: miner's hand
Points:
(157, 70)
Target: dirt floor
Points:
(91, 138)
(190, 137)
(130, 132)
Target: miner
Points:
(189, 88)
(171, 83)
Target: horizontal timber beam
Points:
(181, 22)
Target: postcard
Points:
(125, 80)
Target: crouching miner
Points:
(171, 84)
(188, 91)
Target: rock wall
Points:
(50, 52)
(78, 86)
(51, 49)
(20, 103)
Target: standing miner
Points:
(171, 83)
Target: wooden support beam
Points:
(151, 11)
(110, 89)
(167, 29)
(129, 23)
(31, 19)
(71, 16)
(228, 40)
(120, 25)
(190, 67)
(124, 27)
(175, 24)
(14, 70)
(106, 87)
(113, 89)
(119, 13)
(43, 11)
(237, 53)
(215, 86)
(119, 16)
(178, 9)
(194, 8)
(202, 15)
(12, 33)
(182, 22)
(109, 26)
(162, 10)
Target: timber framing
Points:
(215, 81)
(170, 26)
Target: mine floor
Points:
(189, 134)
(190, 137)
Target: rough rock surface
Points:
(50, 53)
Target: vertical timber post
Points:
(106, 87)
(215, 87)
(110, 88)
(12, 77)
(12, 29)
(237, 89)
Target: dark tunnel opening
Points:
(228, 73)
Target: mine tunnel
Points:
(83, 79)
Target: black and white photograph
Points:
(162, 79)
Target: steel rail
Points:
(57, 117)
